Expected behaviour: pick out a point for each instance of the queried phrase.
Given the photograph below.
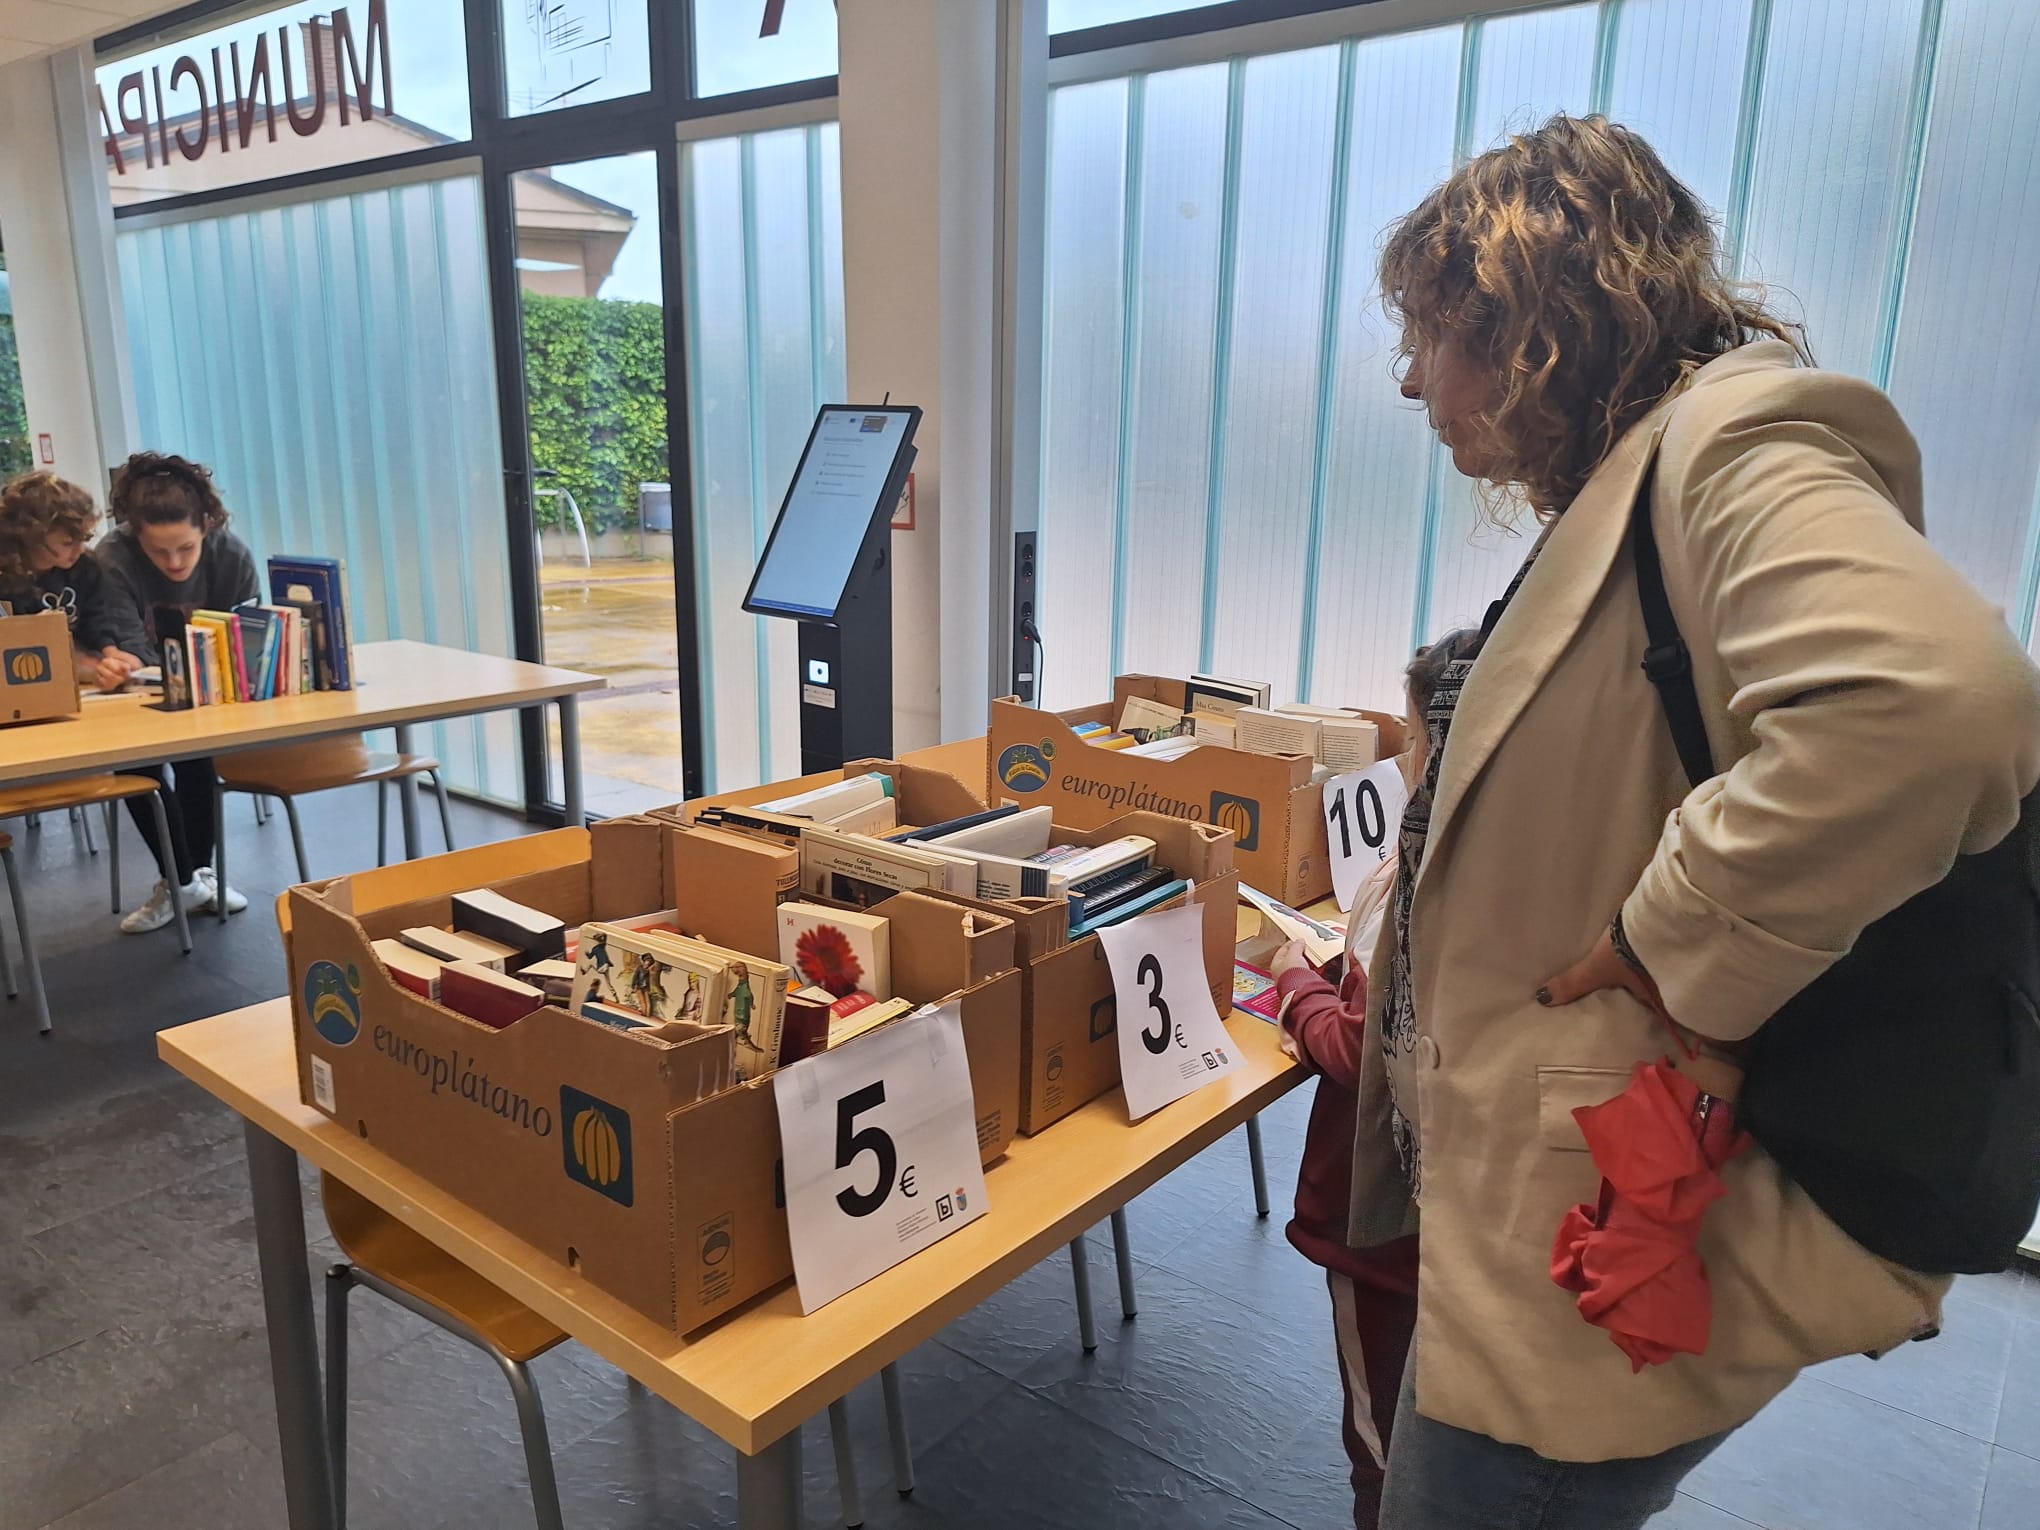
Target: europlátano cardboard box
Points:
(1268, 801)
(1070, 1048)
(38, 676)
(595, 1144)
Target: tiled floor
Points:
(134, 1388)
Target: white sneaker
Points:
(211, 893)
(156, 913)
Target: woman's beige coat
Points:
(1880, 717)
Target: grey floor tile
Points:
(2016, 1291)
(1305, 1480)
(1035, 1315)
(1821, 1458)
(1688, 1513)
(1956, 1378)
(2018, 1422)
(40, 1311)
(2011, 1501)
(1200, 1380)
(231, 1483)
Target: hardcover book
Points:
(842, 950)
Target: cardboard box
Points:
(1070, 1018)
(1269, 802)
(38, 673)
(590, 1143)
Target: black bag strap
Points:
(1667, 660)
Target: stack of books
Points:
(645, 977)
(297, 643)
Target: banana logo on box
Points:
(1240, 814)
(27, 666)
(597, 1144)
(1027, 767)
(333, 1001)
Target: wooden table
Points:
(398, 685)
(752, 1377)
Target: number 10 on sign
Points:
(1363, 810)
(1171, 1040)
(881, 1153)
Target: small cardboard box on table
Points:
(1275, 811)
(1070, 1049)
(38, 674)
(596, 1145)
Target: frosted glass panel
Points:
(1270, 427)
(1531, 65)
(1083, 303)
(1181, 216)
(247, 336)
(1676, 77)
(762, 217)
(1824, 192)
(1966, 370)
(1380, 445)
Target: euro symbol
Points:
(907, 1180)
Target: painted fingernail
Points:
(1544, 997)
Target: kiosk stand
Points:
(828, 566)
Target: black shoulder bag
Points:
(1901, 1088)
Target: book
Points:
(1224, 694)
(840, 799)
(410, 967)
(1149, 720)
(1002, 831)
(1321, 941)
(486, 994)
(665, 922)
(251, 622)
(859, 870)
(674, 978)
(537, 934)
(1171, 747)
(456, 946)
(324, 582)
(205, 667)
(1253, 989)
(1107, 893)
(1214, 728)
(866, 1017)
(555, 976)
(805, 1030)
(1348, 743)
(1261, 731)
(609, 1015)
(1132, 906)
(218, 655)
(317, 664)
(841, 950)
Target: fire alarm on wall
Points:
(45, 450)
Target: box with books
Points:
(617, 1136)
(1272, 801)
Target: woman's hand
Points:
(1289, 959)
(115, 667)
(1602, 968)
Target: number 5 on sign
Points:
(1363, 811)
(881, 1152)
(1171, 1040)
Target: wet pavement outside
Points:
(614, 618)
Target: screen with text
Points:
(828, 510)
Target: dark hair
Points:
(31, 508)
(157, 489)
(1425, 669)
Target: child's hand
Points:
(114, 668)
(1290, 958)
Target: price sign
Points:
(881, 1151)
(1363, 811)
(1171, 1040)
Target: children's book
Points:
(322, 581)
(1253, 989)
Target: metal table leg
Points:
(768, 1486)
(1080, 1268)
(570, 761)
(1259, 1163)
(896, 1430)
(1122, 1251)
(293, 1342)
(407, 795)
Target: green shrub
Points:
(595, 381)
(15, 455)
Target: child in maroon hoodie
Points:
(1374, 1290)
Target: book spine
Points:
(239, 649)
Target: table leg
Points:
(1122, 1253)
(1080, 1269)
(293, 1343)
(1258, 1162)
(768, 1486)
(896, 1427)
(570, 761)
(407, 795)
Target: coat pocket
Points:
(1560, 1091)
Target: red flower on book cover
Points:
(825, 957)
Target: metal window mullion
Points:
(1130, 243)
(1221, 356)
(1327, 363)
(754, 388)
(1905, 215)
(690, 556)
(1607, 32)
(1735, 217)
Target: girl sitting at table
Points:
(171, 547)
(45, 565)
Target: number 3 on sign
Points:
(1363, 810)
(1171, 1040)
(880, 1143)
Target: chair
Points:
(82, 793)
(290, 771)
(388, 1258)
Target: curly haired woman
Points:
(1568, 329)
(45, 565)
(171, 547)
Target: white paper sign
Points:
(881, 1151)
(1171, 1040)
(1363, 811)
